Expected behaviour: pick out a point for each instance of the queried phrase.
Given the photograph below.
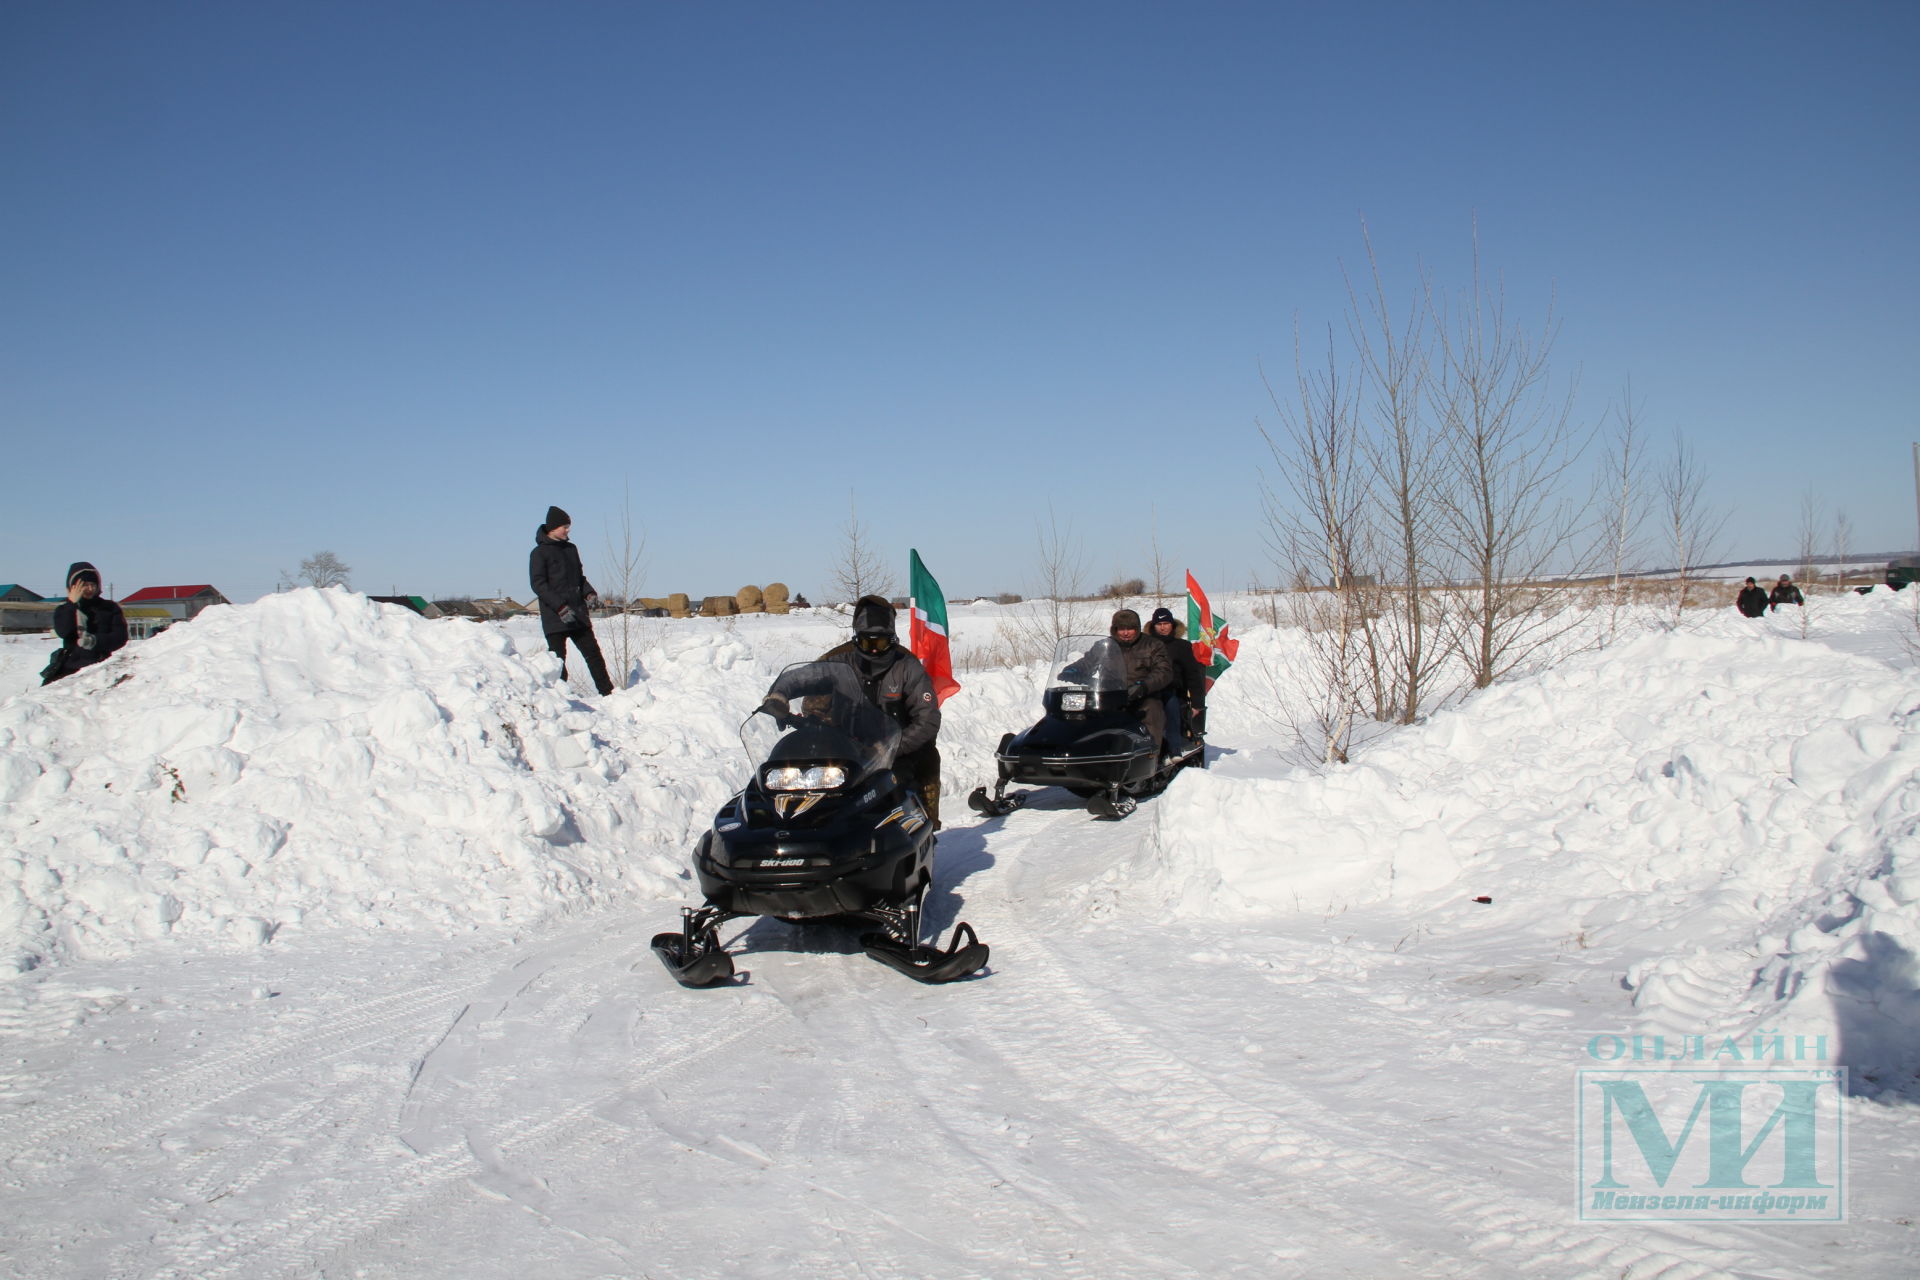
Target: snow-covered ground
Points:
(330, 927)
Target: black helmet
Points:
(873, 624)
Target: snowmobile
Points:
(823, 830)
(1088, 740)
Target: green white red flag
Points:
(1213, 644)
(927, 633)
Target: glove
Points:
(1136, 693)
(592, 600)
(568, 617)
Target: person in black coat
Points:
(1784, 592)
(1186, 697)
(1753, 599)
(90, 626)
(565, 596)
(894, 681)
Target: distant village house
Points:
(178, 603)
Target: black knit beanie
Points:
(556, 517)
(1162, 614)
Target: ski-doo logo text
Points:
(1726, 1143)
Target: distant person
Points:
(565, 596)
(1784, 592)
(90, 626)
(1752, 600)
(1186, 698)
(1148, 671)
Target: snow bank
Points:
(315, 757)
(1732, 808)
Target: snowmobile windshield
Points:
(816, 731)
(1090, 663)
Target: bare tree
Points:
(858, 569)
(1842, 548)
(1394, 349)
(1054, 605)
(324, 569)
(1689, 523)
(627, 559)
(1808, 541)
(1509, 444)
(1319, 524)
(1623, 490)
(1158, 564)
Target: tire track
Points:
(1285, 1126)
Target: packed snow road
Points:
(1300, 1101)
(1267, 1026)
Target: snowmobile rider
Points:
(1186, 698)
(1149, 671)
(895, 682)
(90, 626)
(565, 595)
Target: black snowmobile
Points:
(1088, 741)
(822, 830)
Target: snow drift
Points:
(1733, 809)
(316, 756)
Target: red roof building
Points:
(181, 602)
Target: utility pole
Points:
(1916, 484)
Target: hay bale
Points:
(678, 600)
(719, 607)
(749, 599)
(774, 591)
(778, 606)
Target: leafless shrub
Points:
(1509, 444)
(626, 560)
(1689, 523)
(858, 568)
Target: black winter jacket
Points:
(553, 570)
(896, 683)
(1753, 601)
(1147, 663)
(1787, 594)
(88, 631)
(1189, 677)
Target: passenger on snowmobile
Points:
(1186, 698)
(1148, 671)
(894, 681)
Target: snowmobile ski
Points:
(965, 955)
(694, 956)
(997, 805)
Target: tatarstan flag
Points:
(927, 633)
(1212, 644)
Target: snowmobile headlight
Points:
(1075, 700)
(820, 777)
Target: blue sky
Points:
(389, 278)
